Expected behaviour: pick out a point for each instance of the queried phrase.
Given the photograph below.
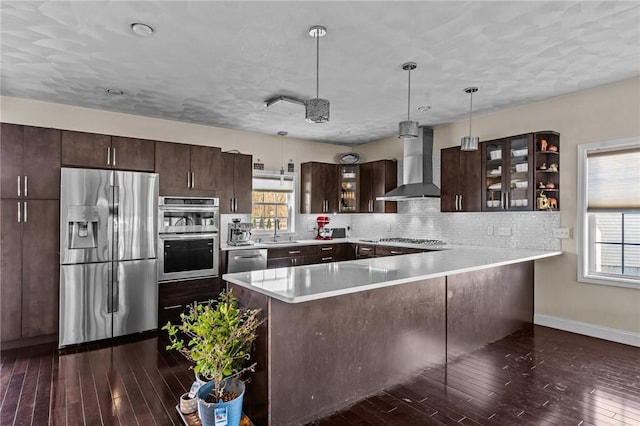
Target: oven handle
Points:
(175, 208)
(186, 236)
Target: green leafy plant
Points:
(217, 337)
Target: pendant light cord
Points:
(318, 64)
(409, 97)
(470, 112)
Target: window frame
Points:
(291, 204)
(586, 225)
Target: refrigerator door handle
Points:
(116, 223)
(115, 292)
(110, 288)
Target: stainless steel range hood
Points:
(417, 170)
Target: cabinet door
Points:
(243, 185)
(85, 149)
(312, 198)
(365, 189)
(172, 165)
(133, 154)
(384, 179)
(205, 168)
(449, 178)
(469, 186)
(11, 160)
(494, 175)
(227, 178)
(520, 165)
(10, 269)
(41, 163)
(40, 268)
(330, 186)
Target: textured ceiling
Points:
(216, 63)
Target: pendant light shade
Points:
(408, 129)
(470, 143)
(317, 109)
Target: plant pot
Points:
(188, 405)
(207, 411)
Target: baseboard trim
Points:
(587, 329)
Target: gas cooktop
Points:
(425, 242)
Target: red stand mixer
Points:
(324, 232)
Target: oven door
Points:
(185, 256)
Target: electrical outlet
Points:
(562, 233)
(489, 230)
(504, 231)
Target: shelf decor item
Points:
(217, 337)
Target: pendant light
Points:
(470, 143)
(408, 129)
(317, 109)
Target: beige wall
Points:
(274, 151)
(604, 113)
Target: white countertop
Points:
(312, 282)
(285, 243)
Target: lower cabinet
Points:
(290, 256)
(382, 251)
(174, 297)
(364, 251)
(29, 268)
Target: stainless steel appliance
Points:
(239, 233)
(108, 254)
(188, 238)
(246, 260)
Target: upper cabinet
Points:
(319, 185)
(188, 170)
(375, 179)
(235, 186)
(30, 162)
(547, 173)
(507, 170)
(348, 188)
(460, 180)
(92, 150)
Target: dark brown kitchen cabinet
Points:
(92, 150)
(290, 256)
(235, 183)
(30, 162)
(175, 297)
(364, 251)
(29, 268)
(461, 180)
(331, 252)
(187, 170)
(547, 170)
(319, 187)
(507, 173)
(375, 179)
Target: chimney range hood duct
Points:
(417, 170)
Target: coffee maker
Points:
(324, 232)
(239, 233)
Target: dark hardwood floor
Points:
(537, 376)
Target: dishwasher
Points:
(246, 260)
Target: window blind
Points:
(273, 183)
(613, 180)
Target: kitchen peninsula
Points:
(337, 332)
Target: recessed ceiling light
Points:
(143, 30)
(424, 108)
(114, 92)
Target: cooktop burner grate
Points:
(426, 242)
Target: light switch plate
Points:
(504, 231)
(562, 233)
(489, 230)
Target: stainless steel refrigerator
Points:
(108, 254)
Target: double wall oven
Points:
(188, 238)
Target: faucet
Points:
(276, 226)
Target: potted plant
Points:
(217, 337)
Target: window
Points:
(609, 213)
(273, 201)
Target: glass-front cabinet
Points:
(348, 183)
(547, 171)
(507, 170)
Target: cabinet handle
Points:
(231, 205)
(108, 156)
(395, 252)
(365, 249)
(25, 212)
(19, 186)
(188, 180)
(193, 180)
(326, 248)
(293, 261)
(456, 207)
(294, 252)
(114, 157)
(172, 307)
(26, 185)
(235, 204)
(506, 197)
(19, 211)
(327, 258)
(461, 208)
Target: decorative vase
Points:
(188, 405)
(208, 411)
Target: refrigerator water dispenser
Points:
(83, 227)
